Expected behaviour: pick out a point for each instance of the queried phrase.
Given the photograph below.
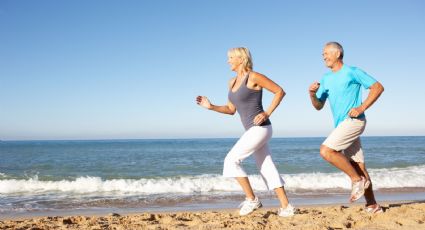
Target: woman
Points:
(245, 96)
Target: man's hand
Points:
(314, 87)
(355, 112)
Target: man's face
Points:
(330, 56)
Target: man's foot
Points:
(367, 184)
(286, 212)
(249, 206)
(376, 208)
(357, 189)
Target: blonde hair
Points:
(244, 54)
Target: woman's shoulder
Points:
(253, 73)
(256, 76)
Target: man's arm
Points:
(375, 91)
(314, 100)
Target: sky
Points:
(132, 69)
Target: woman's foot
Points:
(286, 212)
(249, 206)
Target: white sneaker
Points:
(286, 212)
(249, 206)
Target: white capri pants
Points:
(254, 142)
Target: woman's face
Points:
(234, 62)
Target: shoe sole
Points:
(259, 206)
(293, 214)
(357, 198)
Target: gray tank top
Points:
(248, 103)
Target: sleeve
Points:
(363, 78)
(322, 93)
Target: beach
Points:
(403, 215)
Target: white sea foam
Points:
(413, 176)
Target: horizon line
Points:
(189, 138)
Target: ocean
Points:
(182, 174)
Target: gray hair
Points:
(337, 46)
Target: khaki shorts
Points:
(345, 138)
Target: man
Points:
(342, 148)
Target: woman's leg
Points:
(281, 195)
(246, 187)
(270, 174)
(253, 139)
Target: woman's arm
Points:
(264, 82)
(226, 109)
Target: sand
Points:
(396, 216)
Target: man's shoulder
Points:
(352, 68)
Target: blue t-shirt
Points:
(343, 90)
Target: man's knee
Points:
(326, 152)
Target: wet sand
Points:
(407, 215)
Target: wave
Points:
(412, 176)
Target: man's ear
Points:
(338, 54)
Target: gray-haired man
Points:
(342, 148)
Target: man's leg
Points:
(369, 195)
(355, 153)
(340, 161)
(340, 139)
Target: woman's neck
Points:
(241, 73)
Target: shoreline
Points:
(268, 200)
(397, 215)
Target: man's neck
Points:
(338, 65)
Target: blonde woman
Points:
(245, 97)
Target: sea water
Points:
(150, 174)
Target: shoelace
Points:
(249, 203)
(243, 203)
(357, 186)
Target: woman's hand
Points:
(260, 118)
(203, 101)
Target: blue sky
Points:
(132, 69)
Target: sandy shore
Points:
(396, 216)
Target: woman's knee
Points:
(231, 160)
